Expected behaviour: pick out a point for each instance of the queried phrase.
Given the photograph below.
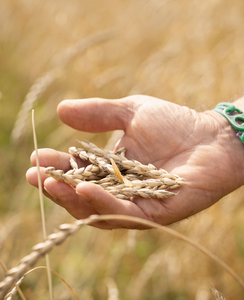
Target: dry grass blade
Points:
(42, 206)
(66, 230)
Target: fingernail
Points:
(81, 194)
(84, 196)
(51, 194)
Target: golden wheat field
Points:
(187, 52)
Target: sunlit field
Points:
(187, 52)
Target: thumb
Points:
(96, 115)
(104, 203)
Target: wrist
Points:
(232, 147)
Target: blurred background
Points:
(187, 52)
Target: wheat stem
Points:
(42, 207)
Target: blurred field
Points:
(187, 52)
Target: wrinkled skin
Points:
(200, 147)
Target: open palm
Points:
(200, 147)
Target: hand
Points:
(200, 147)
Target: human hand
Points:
(200, 147)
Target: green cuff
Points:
(234, 116)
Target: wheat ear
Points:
(11, 294)
(217, 295)
(118, 175)
(39, 250)
(60, 61)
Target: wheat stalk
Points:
(39, 250)
(12, 293)
(65, 230)
(60, 61)
(16, 288)
(42, 206)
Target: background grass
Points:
(187, 52)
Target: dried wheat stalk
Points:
(65, 230)
(60, 61)
(121, 177)
(15, 274)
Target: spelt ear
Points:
(95, 115)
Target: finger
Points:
(96, 115)
(58, 160)
(52, 158)
(32, 177)
(105, 203)
(65, 196)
